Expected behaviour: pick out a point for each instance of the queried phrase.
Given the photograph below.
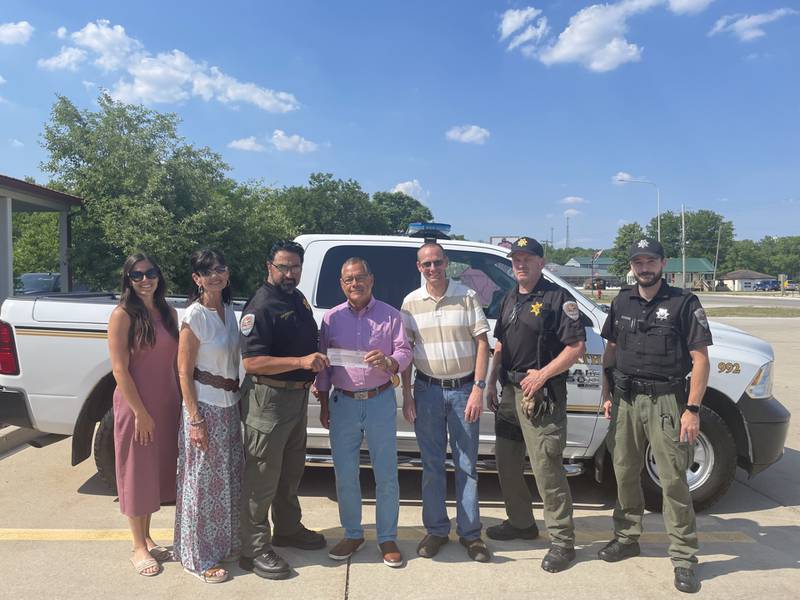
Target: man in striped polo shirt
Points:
(446, 328)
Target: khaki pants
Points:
(544, 443)
(656, 420)
(275, 446)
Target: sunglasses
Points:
(218, 270)
(285, 269)
(139, 275)
(432, 263)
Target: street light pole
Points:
(658, 198)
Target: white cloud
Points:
(468, 134)
(410, 188)
(15, 33)
(248, 144)
(2, 80)
(61, 33)
(621, 177)
(595, 36)
(89, 85)
(573, 200)
(572, 212)
(687, 7)
(292, 143)
(15, 143)
(168, 77)
(749, 27)
(67, 59)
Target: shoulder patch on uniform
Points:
(570, 309)
(247, 323)
(700, 315)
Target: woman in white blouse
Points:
(210, 456)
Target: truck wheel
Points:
(104, 450)
(712, 471)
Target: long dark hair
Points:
(204, 260)
(142, 333)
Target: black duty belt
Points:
(280, 383)
(654, 388)
(447, 384)
(365, 394)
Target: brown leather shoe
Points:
(430, 545)
(346, 548)
(391, 554)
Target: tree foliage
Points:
(147, 189)
(627, 234)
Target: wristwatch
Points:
(481, 383)
(693, 408)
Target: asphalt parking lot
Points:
(61, 535)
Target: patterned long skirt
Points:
(209, 490)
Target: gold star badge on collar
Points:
(536, 308)
(522, 242)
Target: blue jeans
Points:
(350, 421)
(439, 411)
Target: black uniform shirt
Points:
(549, 309)
(275, 323)
(672, 309)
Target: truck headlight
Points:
(761, 386)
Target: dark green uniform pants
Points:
(545, 443)
(633, 424)
(275, 446)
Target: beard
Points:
(287, 285)
(648, 279)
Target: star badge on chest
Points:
(536, 308)
(662, 314)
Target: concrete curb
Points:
(12, 437)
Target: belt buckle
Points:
(449, 384)
(361, 395)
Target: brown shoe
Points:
(430, 545)
(391, 554)
(346, 548)
(476, 549)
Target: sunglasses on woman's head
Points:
(219, 270)
(137, 276)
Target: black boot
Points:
(558, 559)
(506, 531)
(686, 580)
(268, 565)
(615, 551)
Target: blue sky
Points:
(500, 116)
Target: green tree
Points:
(399, 209)
(627, 234)
(35, 240)
(702, 229)
(562, 255)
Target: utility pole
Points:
(566, 244)
(716, 258)
(552, 239)
(683, 247)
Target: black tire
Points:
(104, 450)
(707, 483)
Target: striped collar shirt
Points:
(442, 332)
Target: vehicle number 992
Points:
(733, 368)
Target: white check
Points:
(347, 358)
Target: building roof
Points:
(584, 272)
(746, 274)
(693, 265)
(587, 260)
(38, 190)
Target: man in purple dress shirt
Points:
(363, 405)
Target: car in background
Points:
(791, 286)
(767, 285)
(37, 283)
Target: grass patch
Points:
(753, 311)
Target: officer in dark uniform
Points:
(539, 336)
(656, 335)
(279, 338)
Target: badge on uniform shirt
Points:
(247, 323)
(536, 308)
(662, 314)
(570, 309)
(700, 315)
(306, 304)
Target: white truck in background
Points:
(55, 374)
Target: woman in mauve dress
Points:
(211, 457)
(143, 343)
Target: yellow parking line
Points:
(404, 534)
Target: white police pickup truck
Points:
(55, 374)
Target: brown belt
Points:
(216, 381)
(366, 394)
(280, 383)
